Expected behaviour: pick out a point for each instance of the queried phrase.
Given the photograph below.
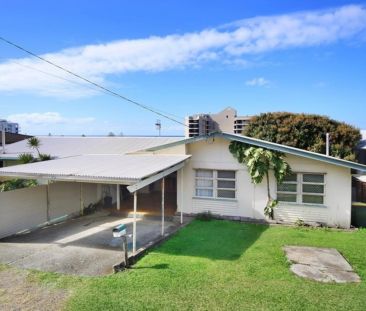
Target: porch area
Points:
(80, 246)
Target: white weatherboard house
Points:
(196, 174)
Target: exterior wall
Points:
(251, 199)
(214, 154)
(22, 209)
(65, 197)
(338, 195)
(225, 119)
(26, 208)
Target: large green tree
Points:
(306, 131)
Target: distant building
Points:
(9, 127)
(224, 121)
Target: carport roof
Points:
(123, 169)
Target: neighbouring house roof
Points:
(11, 138)
(59, 146)
(362, 144)
(268, 145)
(123, 169)
(361, 178)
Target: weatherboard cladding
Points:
(126, 168)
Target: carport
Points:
(136, 171)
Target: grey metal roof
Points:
(361, 178)
(58, 146)
(96, 168)
(271, 146)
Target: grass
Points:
(222, 265)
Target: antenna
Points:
(158, 126)
(327, 143)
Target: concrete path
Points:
(81, 246)
(320, 264)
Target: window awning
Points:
(109, 169)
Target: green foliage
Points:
(34, 143)
(306, 131)
(269, 208)
(299, 223)
(205, 216)
(44, 157)
(259, 162)
(17, 184)
(25, 158)
(223, 265)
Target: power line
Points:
(82, 85)
(91, 82)
(59, 77)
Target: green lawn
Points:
(222, 265)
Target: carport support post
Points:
(81, 200)
(118, 198)
(48, 201)
(181, 194)
(162, 205)
(134, 222)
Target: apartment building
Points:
(225, 121)
(9, 127)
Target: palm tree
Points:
(34, 143)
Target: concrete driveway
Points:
(81, 246)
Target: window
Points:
(215, 184)
(302, 188)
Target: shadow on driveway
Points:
(81, 246)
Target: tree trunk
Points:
(268, 190)
(269, 198)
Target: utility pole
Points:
(158, 126)
(3, 138)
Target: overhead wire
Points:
(97, 85)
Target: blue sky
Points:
(182, 57)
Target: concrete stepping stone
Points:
(320, 264)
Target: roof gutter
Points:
(70, 178)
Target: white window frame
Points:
(299, 191)
(214, 187)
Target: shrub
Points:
(44, 157)
(25, 158)
(205, 216)
(17, 184)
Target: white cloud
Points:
(257, 82)
(52, 122)
(46, 118)
(226, 44)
